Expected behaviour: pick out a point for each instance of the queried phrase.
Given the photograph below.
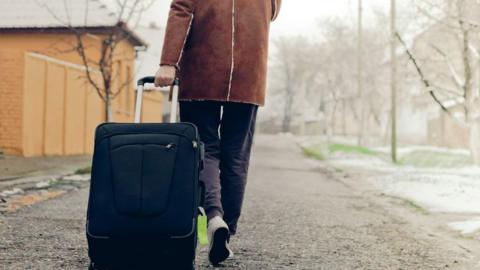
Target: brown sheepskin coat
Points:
(220, 48)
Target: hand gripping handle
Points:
(139, 101)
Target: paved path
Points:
(16, 170)
(299, 214)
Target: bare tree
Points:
(341, 81)
(127, 14)
(294, 68)
(450, 76)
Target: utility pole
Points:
(393, 79)
(360, 72)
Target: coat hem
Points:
(222, 100)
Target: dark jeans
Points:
(228, 139)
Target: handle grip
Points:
(151, 79)
(145, 80)
(138, 104)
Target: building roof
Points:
(36, 15)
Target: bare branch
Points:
(453, 73)
(474, 51)
(68, 24)
(122, 7)
(81, 51)
(424, 80)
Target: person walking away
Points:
(219, 51)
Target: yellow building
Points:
(47, 107)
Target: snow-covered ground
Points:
(453, 190)
(435, 190)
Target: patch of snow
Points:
(43, 184)
(77, 177)
(466, 227)
(449, 190)
(365, 163)
(435, 192)
(406, 150)
(11, 192)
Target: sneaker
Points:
(218, 236)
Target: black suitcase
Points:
(145, 193)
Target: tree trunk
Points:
(393, 80)
(286, 124)
(344, 117)
(475, 141)
(108, 107)
(361, 94)
(470, 96)
(334, 118)
(330, 120)
(109, 112)
(287, 112)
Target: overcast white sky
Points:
(297, 16)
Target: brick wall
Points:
(11, 101)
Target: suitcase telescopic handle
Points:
(139, 101)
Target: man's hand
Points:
(165, 76)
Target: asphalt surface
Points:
(298, 214)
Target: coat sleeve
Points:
(276, 4)
(178, 27)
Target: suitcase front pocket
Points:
(142, 175)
